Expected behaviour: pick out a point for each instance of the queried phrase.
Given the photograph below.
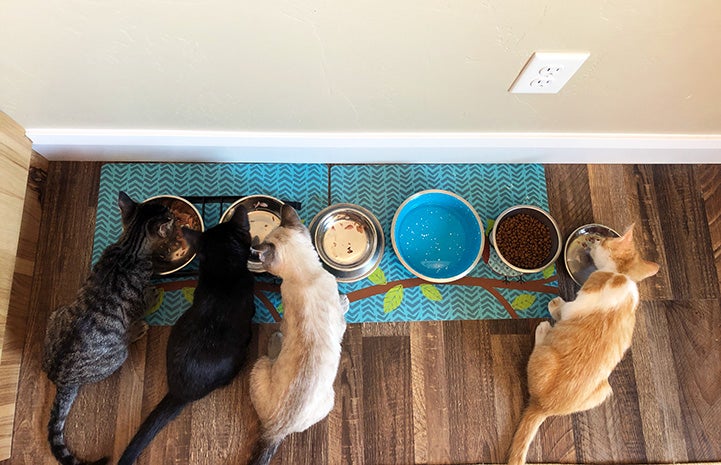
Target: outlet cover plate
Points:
(547, 72)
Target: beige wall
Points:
(368, 65)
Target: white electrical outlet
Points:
(547, 72)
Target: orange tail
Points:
(531, 420)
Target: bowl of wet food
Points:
(437, 235)
(175, 253)
(526, 238)
(349, 241)
(577, 256)
(263, 215)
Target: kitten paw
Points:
(344, 303)
(151, 296)
(275, 343)
(138, 330)
(541, 332)
(554, 308)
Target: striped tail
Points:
(264, 451)
(64, 398)
(531, 420)
(164, 412)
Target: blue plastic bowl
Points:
(437, 236)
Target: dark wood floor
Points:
(436, 392)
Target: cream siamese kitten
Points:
(570, 364)
(292, 387)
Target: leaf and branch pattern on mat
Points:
(394, 291)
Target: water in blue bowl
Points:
(437, 236)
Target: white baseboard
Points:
(275, 147)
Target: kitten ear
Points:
(628, 234)
(165, 229)
(289, 217)
(127, 206)
(265, 252)
(240, 217)
(650, 268)
(192, 237)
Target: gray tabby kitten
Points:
(88, 340)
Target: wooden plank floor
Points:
(433, 392)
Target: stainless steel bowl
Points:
(177, 253)
(577, 255)
(349, 240)
(263, 215)
(542, 216)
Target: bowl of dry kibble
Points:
(526, 238)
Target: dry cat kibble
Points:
(524, 241)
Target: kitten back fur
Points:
(208, 345)
(570, 364)
(87, 340)
(295, 390)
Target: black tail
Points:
(64, 398)
(164, 412)
(264, 451)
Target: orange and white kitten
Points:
(570, 364)
(292, 387)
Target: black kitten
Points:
(209, 343)
(88, 340)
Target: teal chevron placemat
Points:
(491, 290)
(304, 183)
(391, 293)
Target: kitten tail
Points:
(162, 414)
(64, 398)
(532, 419)
(264, 451)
